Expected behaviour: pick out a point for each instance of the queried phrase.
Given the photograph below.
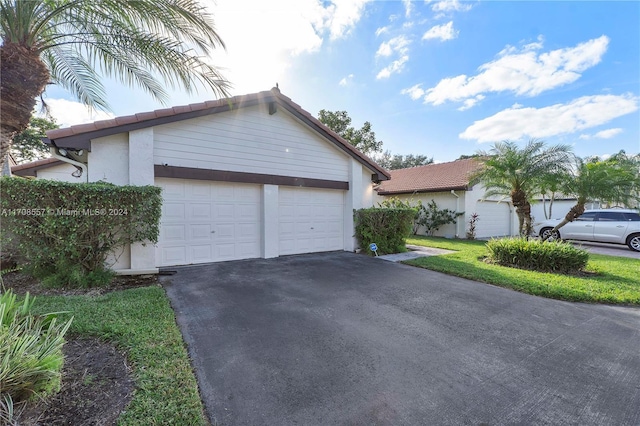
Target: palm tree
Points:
(144, 43)
(509, 171)
(615, 180)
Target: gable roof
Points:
(430, 178)
(79, 136)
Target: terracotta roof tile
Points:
(430, 178)
(47, 162)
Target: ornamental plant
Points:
(556, 256)
(30, 353)
(66, 231)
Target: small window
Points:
(611, 217)
(587, 217)
(633, 217)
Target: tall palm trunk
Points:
(573, 214)
(523, 210)
(23, 78)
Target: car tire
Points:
(634, 242)
(555, 236)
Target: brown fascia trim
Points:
(83, 140)
(20, 170)
(425, 191)
(162, 171)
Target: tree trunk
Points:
(523, 210)
(23, 78)
(573, 214)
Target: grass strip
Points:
(608, 279)
(141, 323)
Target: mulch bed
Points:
(97, 383)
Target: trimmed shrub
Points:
(387, 227)
(30, 353)
(66, 231)
(555, 256)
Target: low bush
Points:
(555, 256)
(66, 231)
(30, 353)
(387, 227)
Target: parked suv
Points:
(617, 226)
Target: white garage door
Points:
(310, 220)
(206, 221)
(493, 219)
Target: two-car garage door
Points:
(205, 221)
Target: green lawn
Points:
(609, 280)
(140, 322)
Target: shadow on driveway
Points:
(339, 338)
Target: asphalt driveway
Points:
(339, 338)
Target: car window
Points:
(611, 217)
(587, 217)
(634, 217)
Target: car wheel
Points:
(634, 242)
(549, 234)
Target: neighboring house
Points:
(449, 185)
(247, 177)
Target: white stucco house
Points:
(450, 186)
(253, 176)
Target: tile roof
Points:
(430, 178)
(26, 169)
(85, 132)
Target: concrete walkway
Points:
(414, 253)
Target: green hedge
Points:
(387, 227)
(66, 231)
(553, 256)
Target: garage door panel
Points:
(493, 219)
(310, 220)
(208, 222)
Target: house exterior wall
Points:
(61, 173)
(250, 140)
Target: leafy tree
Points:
(364, 139)
(517, 173)
(466, 157)
(615, 180)
(28, 145)
(550, 185)
(432, 218)
(398, 161)
(152, 44)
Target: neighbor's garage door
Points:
(310, 220)
(206, 221)
(493, 219)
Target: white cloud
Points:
(521, 71)
(415, 92)
(450, 6)
(346, 80)
(67, 113)
(608, 133)
(442, 32)
(469, 103)
(382, 30)
(272, 33)
(580, 114)
(398, 46)
(408, 8)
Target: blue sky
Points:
(439, 78)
